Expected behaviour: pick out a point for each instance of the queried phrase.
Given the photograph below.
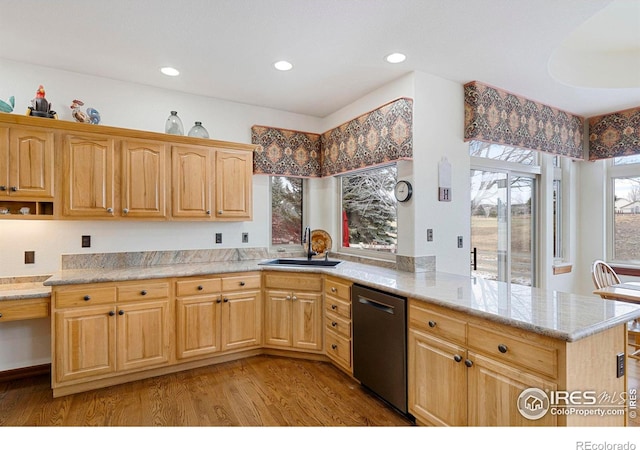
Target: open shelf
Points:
(37, 209)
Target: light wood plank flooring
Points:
(258, 391)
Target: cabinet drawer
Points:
(338, 324)
(337, 306)
(337, 289)
(293, 281)
(446, 327)
(339, 349)
(201, 286)
(85, 296)
(33, 308)
(241, 282)
(515, 350)
(142, 291)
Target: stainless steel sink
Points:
(300, 262)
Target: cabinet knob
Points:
(219, 211)
(219, 301)
(121, 312)
(208, 212)
(112, 313)
(125, 211)
(200, 287)
(333, 289)
(294, 298)
(242, 283)
(86, 298)
(288, 297)
(334, 346)
(226, 300)
(468, 362)
(432, 324)
(334, 307)
(0, 315)
(110, 210)
(502, 348)
(14, 189)
(3, 188)
(457, 358)
(143, 292)
(334, 324)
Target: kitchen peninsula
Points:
(478, 342)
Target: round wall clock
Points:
(403, 191)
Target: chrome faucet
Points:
(307, 240)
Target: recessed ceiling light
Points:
(283, 65)
(170, 71)
(395, 58)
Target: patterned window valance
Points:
(616, 134)
(500, 117)
(377, 137)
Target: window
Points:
(369, 214)
(286, 210)
(557, 220)
(624, 223)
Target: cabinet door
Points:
(494, 389)
(241, 320)
(143, 179)
(143, 334)
(277, 318)
(234, 171)
(191, 182)
(88, 176)
(4, 161)
(85, 341)
(31, 163)
(437, 381)
(198, 325)
(307, 320)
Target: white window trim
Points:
(616, 171)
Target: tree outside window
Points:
(286, 210)
(369, 210)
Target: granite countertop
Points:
(24, 290)
(560, 315)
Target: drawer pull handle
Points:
(457, 358)
(334, 324)
(112, 313)
(86, 298)
(334, 346)
(502, 348)
(334, 307)
(468, 362)
(143, 292)
(200, 287)
(121, 312)
(333, 289)
(432, 324)
(242, 283)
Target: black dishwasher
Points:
(380, 343)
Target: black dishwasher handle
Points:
(381, 306)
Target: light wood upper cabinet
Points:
(89, 177)
(30, 163)
(234, 195)
(143, 179)
(191, 172)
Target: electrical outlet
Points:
(245, 238)
(620, 365)
(29, 257)
(218, 238)
(459, 241)
(430, 235)
(86, 241)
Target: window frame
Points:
(615, 171)
(373, 254)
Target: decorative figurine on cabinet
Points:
(8, 107)
(40, 107)
(91, 116)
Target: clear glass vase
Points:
(198, 131)
(174, 125)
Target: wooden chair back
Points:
(603, 275)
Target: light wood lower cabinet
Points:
(293, 311)
(337, 310)
(463, 370)
(215, 314)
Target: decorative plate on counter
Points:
(320, 242)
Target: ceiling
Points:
(226, 48)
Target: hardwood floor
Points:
(258, 391)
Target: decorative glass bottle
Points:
(174, 125)
(198, 131)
